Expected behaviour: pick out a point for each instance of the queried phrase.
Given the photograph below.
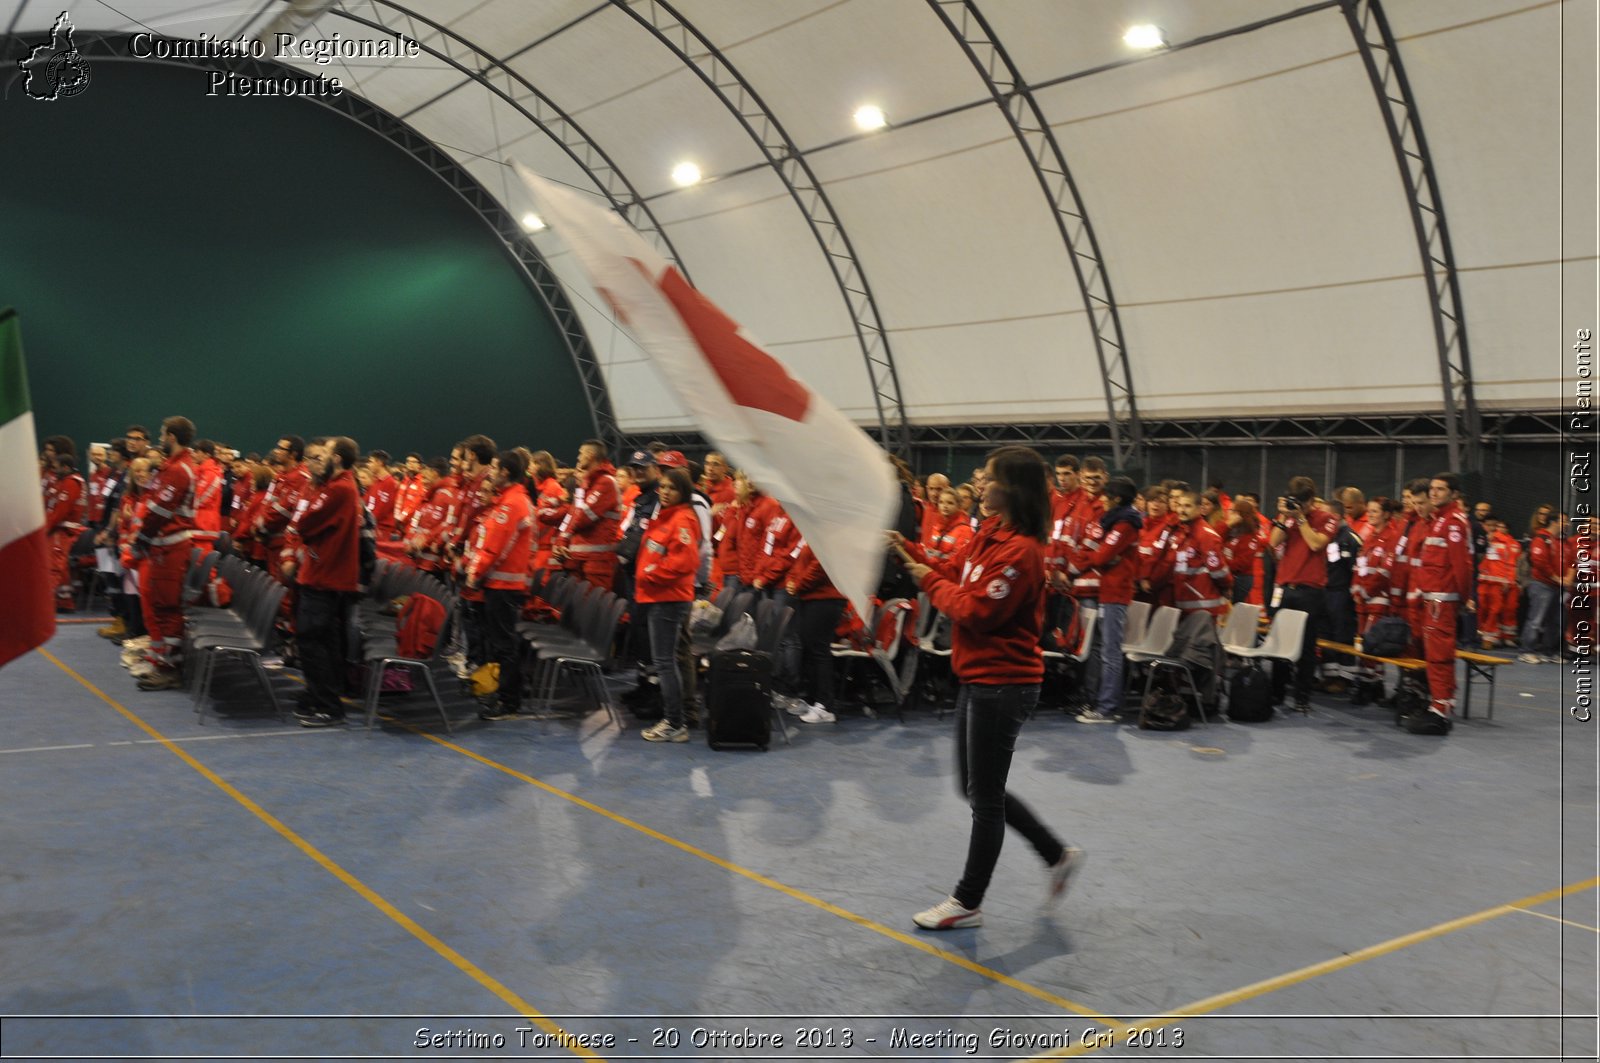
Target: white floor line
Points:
(190, 738)
(45, 749)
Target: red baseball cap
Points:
(673, 459)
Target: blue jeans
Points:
(1541, 632)
(988, 720)
(1113, 618)
(666, 620)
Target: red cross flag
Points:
(835, 483)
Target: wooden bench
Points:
(1478, 666)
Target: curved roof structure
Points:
(1051, 225)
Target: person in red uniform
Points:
(594, 527)
(327, 569)
(383, 494)
(207, 494)
(1242, 546)
(1116, 560)
(1498, 594)
(411, 494)
(997, 613)
(952, 531)
(435, 517)
(1445, 581)
(819, 605)
(1154, 579)
(497, 562)
(1083, 531)
(726, 528)
(1371, 585)
(1547, 565)
(549, 502)
(1199, 576)
(163, 545)
(1302, 531)
(281, 500)
(65, 505)
(779, 541)
(242, 497)
(663, 579)
(717, 483)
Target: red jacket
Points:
(751, 535)
(1115, 558)
(669, 555)
(244, 499)
(1155, 552)
(381, 498)
(412, 493)
(208, 495)
(1301, 565)
(434, 522)
(549, 501)
(100, 487)
(1445, 573)
(329, 530)
(63, 504)
(807, 580)
(1061, 507)
(595, 524)
(1499, 562)
(948, 536)
(1241, 550)
(283, 497)
(1083, 533)
(1546, 559)
(503, 544)
(1197, 569)
(1371, 585)
(470, 506)
(780, 541)
(996, 608)
(720, 493)
(130, 521)
(170, 514)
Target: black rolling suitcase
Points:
(739, 699)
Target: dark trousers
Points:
(501, 610)
(1309, 600)
(988, 720)
(668, 623)
(319, 633)
(1242, 582)
(815, 624)
(472, 629)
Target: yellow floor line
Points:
(788, 891)
(466, 966)
(1283, 981)
(1558, 919)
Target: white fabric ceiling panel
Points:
(1234, 192)
(503, 28)
(813, 73)
(1366, 347)
(471, 120)
(924, 145)
(834, 368)
(1513, 315)
(941, 263)
(1024, 370)
(1048, 40)
(165, 17)
(407, 83)
(1490, 102)
(603, 58)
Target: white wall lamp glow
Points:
(685, 174)
(869, 117)
(532, 222)
(1145, 37)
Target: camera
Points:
(1291, 504)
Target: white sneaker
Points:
(817, 714)
(948, 914)
(1096, 716)
(1530, 658)
(663, 731)
(793, 706)
(1061, 873)
(141, 669)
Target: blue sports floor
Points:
(1311, 888)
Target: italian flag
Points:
(29, 617)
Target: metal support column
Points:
(1381, 56)
(1026, 118)
(789, 163)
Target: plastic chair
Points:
(378, 662)
(1155, 637)
(1155, 661)
(1239, 633)
(260, 598)
(1133, 627)
(1283, 641)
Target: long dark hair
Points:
(1020, 474)
(679, 478)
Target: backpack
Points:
(421, 621)
(1250, 696)
(1389, 636)
(1164, 709)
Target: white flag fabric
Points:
(833, 480)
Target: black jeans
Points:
(1242, 582)
(815, 623)
(988, 720)
(501, 611)
(1309, 600)
(319, 635)
(668, 622)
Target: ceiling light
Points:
(532, 222)
(1145, 36)
(686, 174)
(869, 117)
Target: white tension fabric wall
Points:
(1254, 226)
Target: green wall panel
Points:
(261, 265)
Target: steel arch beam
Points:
(101, 46)
(1017, 102)
(494, 75)
(1380, 54)
(696, 52)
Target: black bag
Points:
(1389, 636)
(1164, 710)
(1250, 697)
(739, 699)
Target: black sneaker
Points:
(1428, 722)
(320, 719)
(1302, 705)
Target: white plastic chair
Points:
(1240, 632)
(1283, 639)
(1133, 627)
(1154, 637)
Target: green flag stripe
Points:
(13, 374)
